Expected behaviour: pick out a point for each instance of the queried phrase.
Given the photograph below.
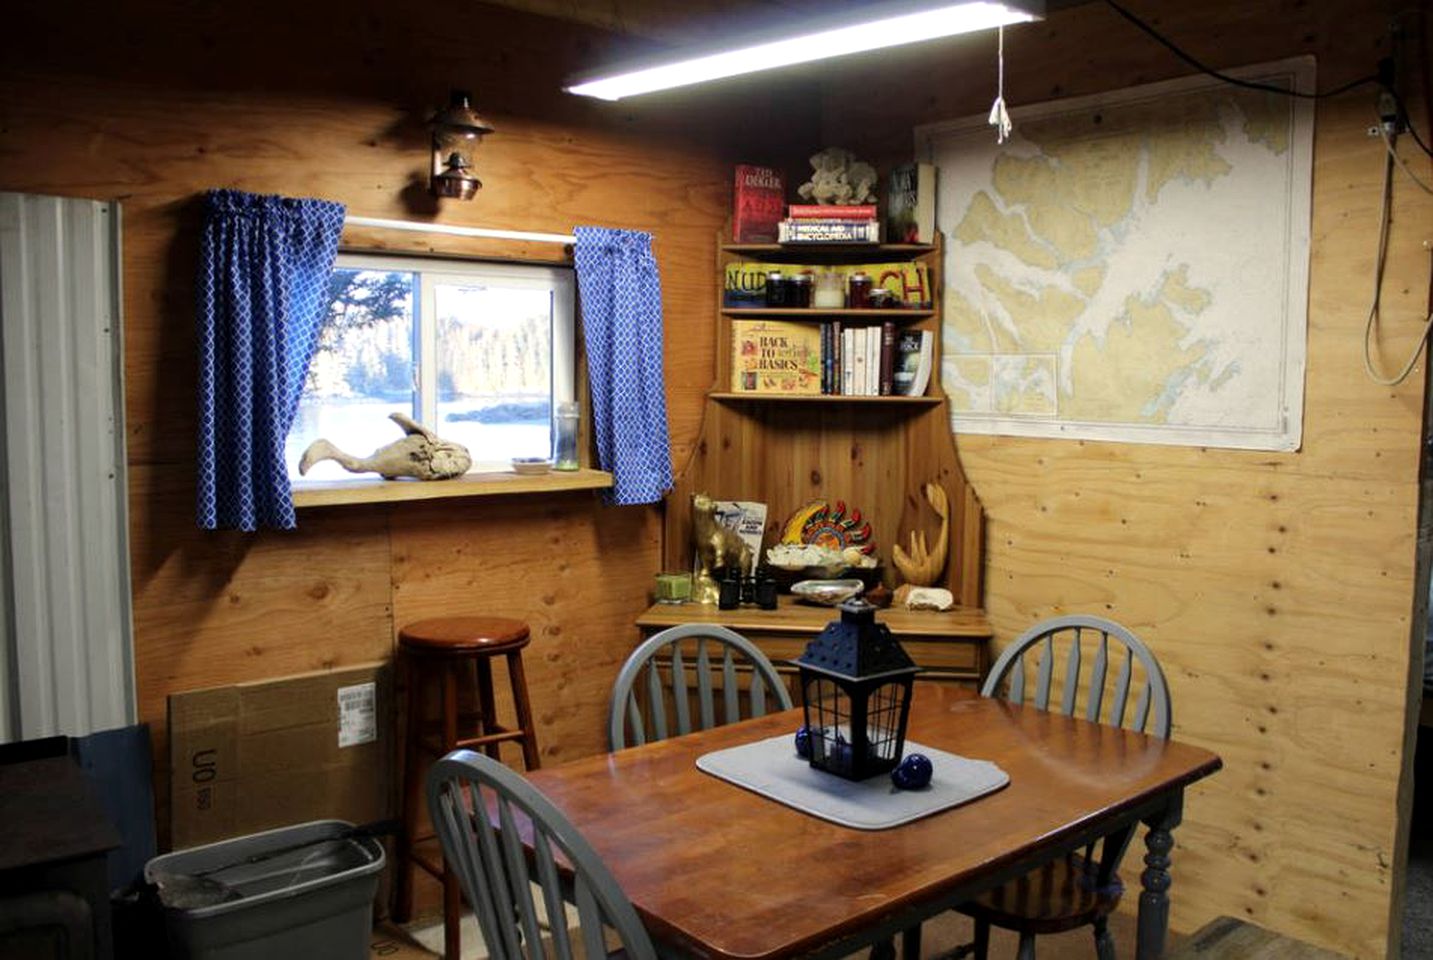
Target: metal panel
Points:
(68, 663)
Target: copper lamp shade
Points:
(457, 131)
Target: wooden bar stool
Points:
(450, 651)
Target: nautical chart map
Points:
(1132, 266)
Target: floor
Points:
(939, 935)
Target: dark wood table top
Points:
(718, 871)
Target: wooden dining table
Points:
(717, 871)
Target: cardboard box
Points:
(259, 755)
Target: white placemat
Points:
(773, 769)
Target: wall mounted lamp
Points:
(457, 131)
(856, 30)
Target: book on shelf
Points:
(758, 200)
(827, 354)
(911, 362)
(848, 361)
(831, 211)
(829, 231)
(888, 347)
(910, 204)
(775, 356)
(873, 361)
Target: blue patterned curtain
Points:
(621, 298)
(264, 271)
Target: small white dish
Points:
(531, 465)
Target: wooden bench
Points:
(1231, 939)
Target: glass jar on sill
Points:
(564, 436)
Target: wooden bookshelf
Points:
(873, 453)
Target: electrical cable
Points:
(1406, 123)
(1383, 132)
(1236, 81)
(1378, 79)
(1384, 220)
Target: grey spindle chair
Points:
(1076, 890)
(701, 652)
(476, 804)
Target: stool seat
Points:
(455, 636)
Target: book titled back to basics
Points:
(775, 356)
(758, 203)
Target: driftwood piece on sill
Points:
(421, 454)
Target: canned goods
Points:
(776, 289)
(858, 291)
(799, 293)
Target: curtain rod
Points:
(459, 231)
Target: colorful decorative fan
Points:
(822, 525)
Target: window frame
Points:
(435, 269)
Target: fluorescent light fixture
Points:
(883, 25)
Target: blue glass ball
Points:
(913, 773)
(803, 742)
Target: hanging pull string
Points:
(1373, 309)
(999, 116)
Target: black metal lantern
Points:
(856, 689)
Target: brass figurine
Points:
(716, 546)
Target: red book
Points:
(757, 202)
(831, 211)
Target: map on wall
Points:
(1131, 266)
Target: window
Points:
(479, 352)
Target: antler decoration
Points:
(920, 566)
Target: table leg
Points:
(911, 943)
(1154, 899)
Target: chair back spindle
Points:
(1065, 638)
(674, 674)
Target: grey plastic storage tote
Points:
(302, 891)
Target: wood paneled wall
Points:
(153, 102)
(1276, 589)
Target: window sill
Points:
(339, 492)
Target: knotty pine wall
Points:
(153, 102)
(1276, 589)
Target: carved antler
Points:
(920, 566)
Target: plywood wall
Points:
(151, 103)
(1275, 589)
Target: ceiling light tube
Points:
(882, 25)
